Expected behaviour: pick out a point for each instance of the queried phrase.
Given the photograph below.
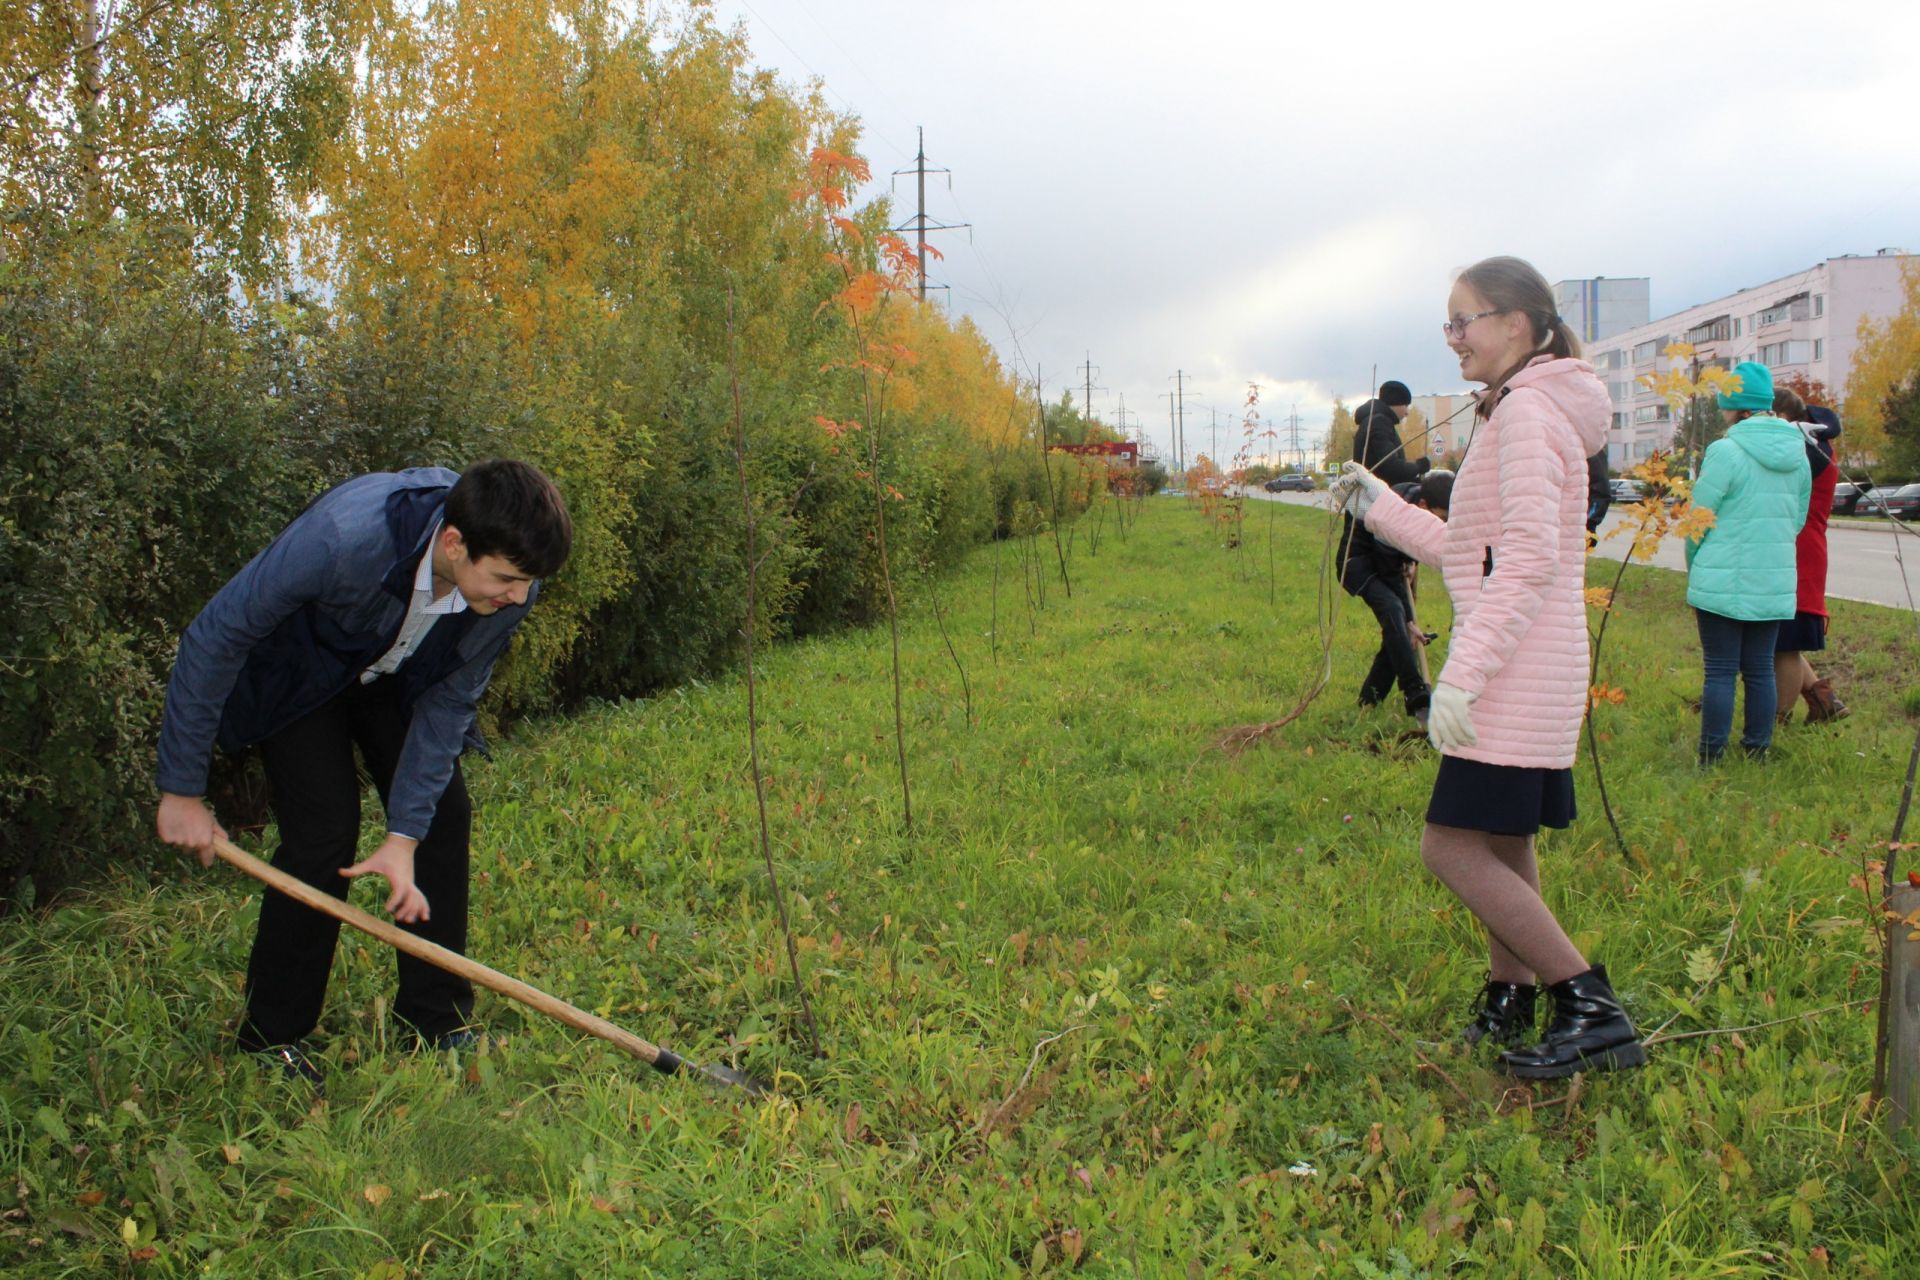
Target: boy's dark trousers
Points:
(316, 800)
(1387, 596)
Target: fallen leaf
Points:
(603, 1204)
(147, 1254)
(438, 1193)
(231, 1152)
(377, 1194)
(89, 1199)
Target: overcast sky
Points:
(1281, 193)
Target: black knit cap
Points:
(1395, 394)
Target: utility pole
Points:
(1087, 371)
(1179, 406)
(919, 224)
(1293, 422)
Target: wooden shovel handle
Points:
(433, 953)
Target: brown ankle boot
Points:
(1823, 704)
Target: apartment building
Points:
(1805, 323)
(1599, 308)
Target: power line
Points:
(844, 100)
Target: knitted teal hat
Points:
(1756, 387)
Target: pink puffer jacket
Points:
(1513, 551)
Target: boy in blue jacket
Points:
(372, 622)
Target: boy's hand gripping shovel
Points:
(662, 1060)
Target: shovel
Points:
(662, 1060)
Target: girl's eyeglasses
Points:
(1457, 327)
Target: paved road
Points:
(1861, 560)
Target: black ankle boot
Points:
(1503, 1012)
(1589, 1031)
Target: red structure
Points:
(1125, 451)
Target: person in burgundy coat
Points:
(1806, 632)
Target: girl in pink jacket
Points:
(1507, 709)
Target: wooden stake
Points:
(1903, 1011)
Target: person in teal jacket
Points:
(1741, 575)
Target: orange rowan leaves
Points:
(834, 429)
(863, 291)
(1599, 597)
(1600, 693)
(831, 175)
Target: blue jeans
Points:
(1733, 648)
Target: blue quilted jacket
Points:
(306, 616)
(1756, 482)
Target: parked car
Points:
(1290, 481)
(1624, 490)
(1874, 500)
(1846, 496)
(1904, 502)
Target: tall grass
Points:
(1130, 1006)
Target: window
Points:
(1715, 330)
(1819, 306)
(1794, 308)
(1736, 328)
(1650, 413)
(1646, 351)
(1773, 354)
(1620, 390)
(1819, 348)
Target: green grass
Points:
(1199, 936)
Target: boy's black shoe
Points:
(468, 1039)
(458, 1040)
(292, 1062)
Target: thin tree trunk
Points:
(1053, 499)
(88, 90)
(753, 709)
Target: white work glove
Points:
(1449, 718)
(1356, 489)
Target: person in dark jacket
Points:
(1374, 572)
(1599, 494)
(372, 622)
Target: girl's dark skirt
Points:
(1502, 800)
(1803, 633)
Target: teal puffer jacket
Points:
(1755, 480)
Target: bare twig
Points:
(1053, 498)
(1033, 1061)
(966, 689)
(1650, 1041)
